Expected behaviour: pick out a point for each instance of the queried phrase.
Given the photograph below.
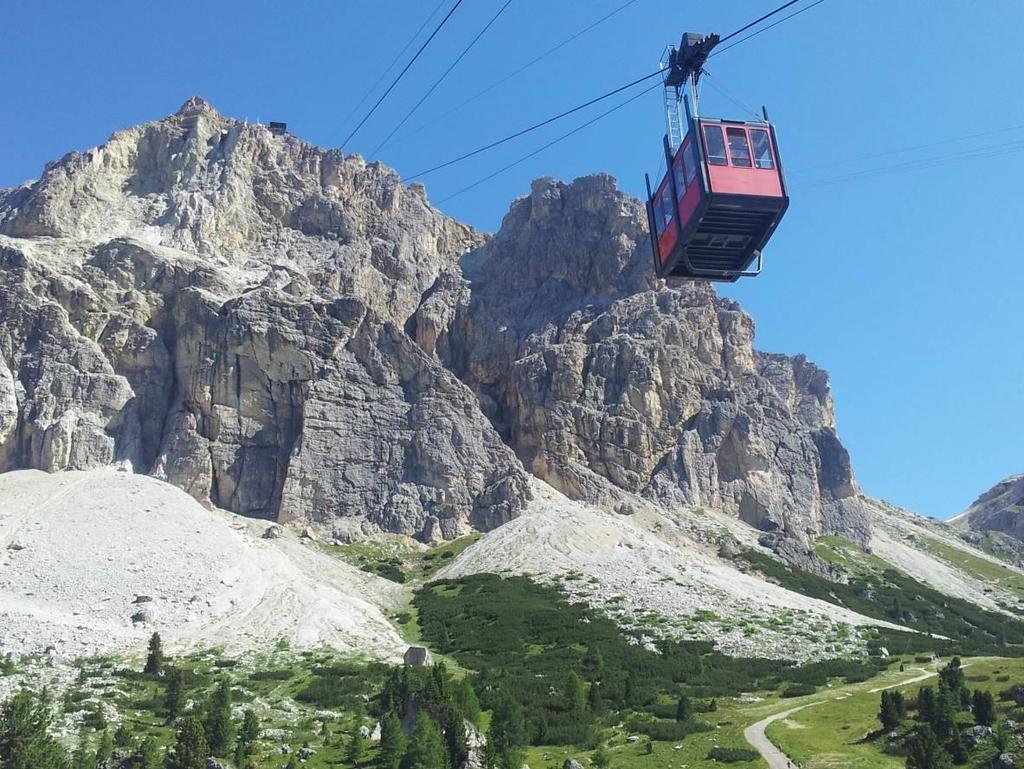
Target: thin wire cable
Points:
(444, 74)
(512, 74)
(534, 127)
(551, 143)
(728, 95)
(764, 29)
(390, 66)
(402, 73)
(976, 153)
(586, 104)
(754, 23)
(898, 150)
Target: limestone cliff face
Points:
(1000, 509)
(223, 308)
(289, 332)
(604, 382)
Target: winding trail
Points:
(755, 733)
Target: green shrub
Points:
(732, 755)
(798, 690)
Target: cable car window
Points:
(677, 169)
(738, 147)
(762, 148)
(690, 162)
(659, 225)
(716, 145)
(666, 204)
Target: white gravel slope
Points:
(640, 564)
(77, 548)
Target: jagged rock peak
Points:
(604, 382)
(999, 509)
(196, 105)
(224, 308)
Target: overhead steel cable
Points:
(584, 105)
(763, 29)
(754, 23)
(394, 61)
(405, 69)
(515, 72)
(444, 74)
(534, 127)
(551, 143)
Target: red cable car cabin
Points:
(720, 201)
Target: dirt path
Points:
(754, 734)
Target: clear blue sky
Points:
(907, 287)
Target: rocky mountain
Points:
(1000, 509)
(289, 332)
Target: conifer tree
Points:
(593, 664)
(174, 694)
(122, 736)
(944, 722)
(684, 710)
(149, 754)
(595, 700)
(83, 758)
(925, 752)
(392, 743)
(952, 675)
(105, 748)
(467, 701)
(218, 725)
(926, 705)
(506, 736)
(190, 749)
(576, 702)
(957, 749)
(245, 747)
(425, 749)
(356, 746)
(888, 713)
(984, 708)
(155, 657)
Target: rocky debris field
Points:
(97, 561)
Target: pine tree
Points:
(956, 748)
(595, 700)
(190, 748)
(984, 708)
(684, 710)
(467, 701)
(576, 702)
(155, 658)
(218, 725)
(392, 742)
(149, 754)
(925, 752)
(425, 749)
(944, 723)
(122, 736)
(82, 758)
(506, 736)
(453, 728)
(105, 748)
(926, 705)
(173, 695)
(888, 713)
(356, 746)
(952, 675)
(593, 664)
(899, 702)
(628, 691)
(245, 748)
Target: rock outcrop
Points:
(602, 382)
(1000, 509)
(292, 333)
(223, 308)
